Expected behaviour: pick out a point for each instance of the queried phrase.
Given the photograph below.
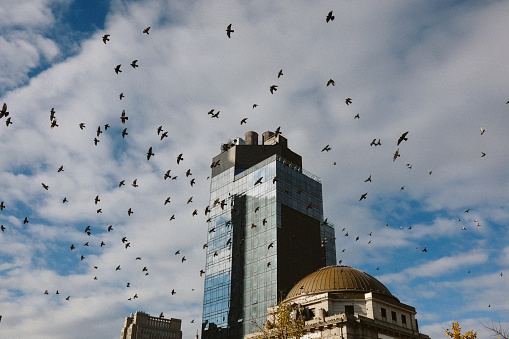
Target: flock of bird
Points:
(89, 229)
(161, 134)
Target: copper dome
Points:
(338, 279)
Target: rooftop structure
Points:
(343, 302)
(140, 325)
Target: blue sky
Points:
(438, 70)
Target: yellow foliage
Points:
(456, 332)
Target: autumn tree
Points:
(285, 321)
(456, 332)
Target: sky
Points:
(435, 69)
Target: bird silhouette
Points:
(229, 30)
(403, 138)
(149, 153)
(106, 38)
(329, 17)
(146, 30)
(3, 112)
(273, 88)
(133, 64)
(396, 154)
(117, 69)
(123, 117)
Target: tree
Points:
(497, 331)
(456, 332)
(285, 321)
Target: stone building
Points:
(140, 325)
(341, 302)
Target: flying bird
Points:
(3, 112)
(82, 125)
(329, 17)
(403, 137)
(60, 169)
(363, 196)
(357, 116)
(121, 96)
(280, 74)
(273, 88)
(2, 206)
(135, 184)
(46, 187)
(117, 69)
(331, 82)
(123, 117)
(229, 30)
(146, 30)
(326, 148)
(482, 130)
(106, 38)
(124, 132)
(243, 121)
(149, 153)
(368, 179)
(348, 101)
(396, 154)
(164, 135)
(133, 64)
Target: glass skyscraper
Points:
(266, 232)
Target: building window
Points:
(403, 319)
(394, 318)
(349, 309)
(384, 313)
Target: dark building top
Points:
(338, 279)
(244, 154)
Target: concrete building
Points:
(140, 325)
(340, 302)
(265, 233)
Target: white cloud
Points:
(421, 68)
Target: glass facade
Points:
(248, 237)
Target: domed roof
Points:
(338, 279)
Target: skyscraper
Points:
(266, 232)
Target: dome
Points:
(338, 279)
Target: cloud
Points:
(421, 68)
